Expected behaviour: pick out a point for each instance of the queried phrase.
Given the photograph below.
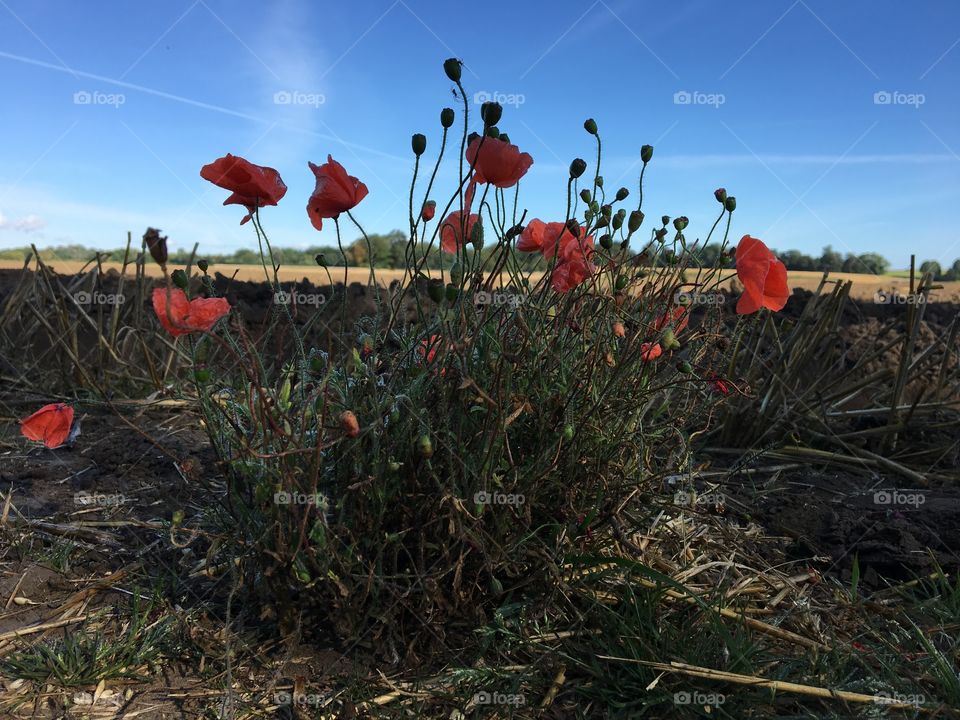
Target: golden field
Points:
(864, 286)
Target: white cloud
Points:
(26, 224)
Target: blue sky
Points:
(783, 112)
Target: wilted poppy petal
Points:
(50, 424)
(180, 316)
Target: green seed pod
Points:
(419, 144)
(599, 181)
(179, 278)
(636, 219)
(447, 116)
(685, 367)
(453, 68)
(646, 153)
(435, 290)
(577, 168)
(585, 195)
(622, 194)
(203, 265)
(730, 203)
(425, 446)
(590, 126)
(490, 113)
(606, 242)
(321, 260)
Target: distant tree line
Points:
(390, 250)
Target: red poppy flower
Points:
(348, 424)
(679, 313)
(336, 192)
(453, 234)
(718, 384)
(531, 239)
(764, 277)
(187, 316)
(567, 274)
(650, 351)
(498, 162)
(252, 185)
(50, 424)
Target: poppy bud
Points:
(599, 181)
(428, 210)
(425, 446)
(492, 132)
(447, 116)
(681, 223)
(602, 222)
(617, 221)
(606, 242)
(730, 203)
(419, 144)
(585, 195)
(721, 195)
(316, 364)
(661, 234)
(514, 232)
(157, 245)
(453, 68)
(349, 424)
(685, 367)
(179, 278)
(646, 153)
(621, 283)
(636, 219)
(476, 235)
(669, 340)
(574, 227)
(321, 260)
(452, 292)
(590, 126)
(456, 273)
(594, 207)
(665, 220)
(435, 290)
(606, 210)
(577, 168)
(393, 466)
(622, 194)
(568, 432)
(505, 137)
(490, 113)
(201, 375)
